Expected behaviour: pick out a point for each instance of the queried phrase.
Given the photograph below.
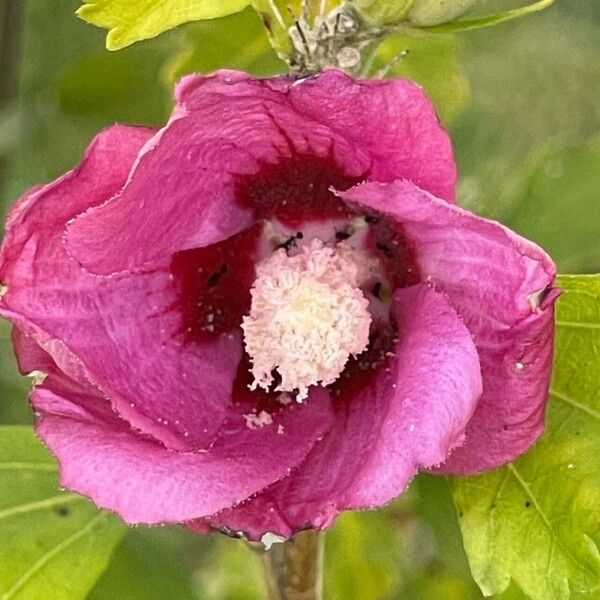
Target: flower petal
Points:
(391, 120)
(124, 331)
(182, 193)
(411, 416)
(501, 286)
(144, 482)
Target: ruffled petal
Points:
(412, 416)
(184, 191)
(502, 287)
(391, 120)
(125, 332)
(144, 482)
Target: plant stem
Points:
(294, 569)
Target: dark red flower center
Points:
(214, 282)
(297, 190)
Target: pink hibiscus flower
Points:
(271, 310)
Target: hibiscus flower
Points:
(271, 310)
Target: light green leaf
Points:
(536, 521)
(433, 62)
(489, 20)
(53, 545)
(559, 207)
(130, 21)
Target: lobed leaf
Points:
(130, 22)
(52, 544)
(536, 521)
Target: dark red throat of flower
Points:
(297, 190)
(214, 283)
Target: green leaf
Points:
(432, 61)
(489, 20)
(130, 21)
(52, 544)
(535, 522)
(212, 45)
(559, 207)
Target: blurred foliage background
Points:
(521, 102)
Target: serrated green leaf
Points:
(433, 62)
(536, 521)
(129, 22)
(489, 20)
(53, 545)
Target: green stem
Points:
(294, 569)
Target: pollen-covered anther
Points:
(308, 316)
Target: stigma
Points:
(308, 316)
